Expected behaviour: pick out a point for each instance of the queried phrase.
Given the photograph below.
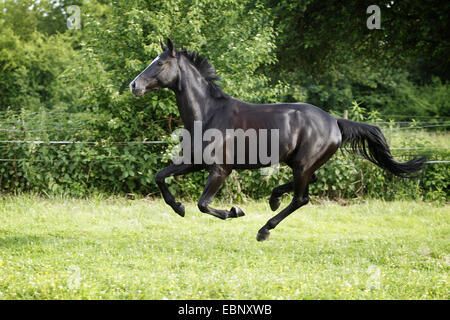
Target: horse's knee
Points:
(160, 178)
(276, 192)
(280, 190)
(202, 206)
(298, 202)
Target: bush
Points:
(62, 85)
(103, 164)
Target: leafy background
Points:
(58, 84)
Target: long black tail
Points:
(369, 141)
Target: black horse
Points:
(308, 136)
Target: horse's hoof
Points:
(274, 203)
(236, 212)
(179, 208)
(263, 234)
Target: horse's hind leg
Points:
(303, 166)
(217, 176)
(300, 186)
(277, 192)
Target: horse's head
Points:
(163, 72)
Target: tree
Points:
(318, 35)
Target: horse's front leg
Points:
(173, 170)
(217, 176)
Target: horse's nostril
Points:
(133, 86)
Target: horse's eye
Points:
(160, 63)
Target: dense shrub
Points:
(102, 164)
(71, 85)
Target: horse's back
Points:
(280, 116)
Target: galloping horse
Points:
(308, 136)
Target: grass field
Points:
(121, 249)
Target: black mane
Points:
(207, 70)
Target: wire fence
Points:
(83, 142)
(159, 142)
(38, 122)
(155, 142)
(29, 123)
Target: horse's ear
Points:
(171, 47)
(163, 46)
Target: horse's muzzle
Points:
(139, 90)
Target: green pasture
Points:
(112, 248)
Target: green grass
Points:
(117, 249)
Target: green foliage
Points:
(59, 84)
(30, 71)
(319, 38)
(103, 164)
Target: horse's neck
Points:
(194, 100)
